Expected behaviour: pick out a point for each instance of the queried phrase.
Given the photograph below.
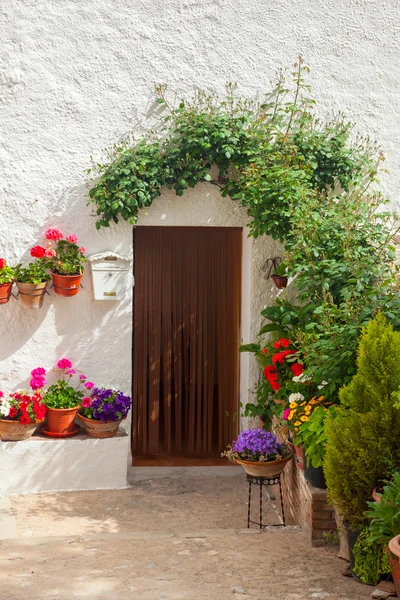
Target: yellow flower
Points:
(320, 399)
(291, 415)
(303, 403)
(293, 405)
(304, 418)
(313, 401)
(297, 424)
(307, 409)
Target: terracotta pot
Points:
(32, 295)
(284, 431)
(13, 431)
(5, 292)
(99, 429)
(264, 469)
(61, 420)
(299, 455)
(66, 285)
(376, 496)
(393, 554)
(280, 281)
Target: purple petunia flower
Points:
(253, 443)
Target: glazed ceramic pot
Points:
(99, 429)
(60, 421)
(5, 292)
(66, 285)
(280, 281)
(14, 431)
(264, 469)
(393, 554)
(32, 295)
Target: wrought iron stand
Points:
(261, 482)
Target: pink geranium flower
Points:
(89, 385)
(70, 372)
(286, 414)
(64, 363)
(50, 253)
(72, 238)
(38, 372)
(82, 377)
(37, 383)
(86, 402)
(53, 234)
(82, 249)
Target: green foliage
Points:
(271, 155)
(385, 515)
(35, 273)
(62, 395)
(7, 274)
(69, 260)
(363, 440)
(313, 437)
(371, 563)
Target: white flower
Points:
(297, 397)
(323, 384)
(5, 408)
(301, 378)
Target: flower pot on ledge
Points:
(66, 285)
(98, 428)
(60, 422)
(15, 431)
(32, 295)
(5, 292)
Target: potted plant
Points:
(63, 402)
(20, 414)
(65, 259)
(102, 412)
(6, 281)
(384, 526)
(32, 282)
(259, 452)
(279, 276)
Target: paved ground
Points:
(174, 538)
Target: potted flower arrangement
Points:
(6, 281)
(65, 259)
(259, 452)
(102, 412)
(20, 415)
(63, 401)
(32, 282)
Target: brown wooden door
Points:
(186, 337)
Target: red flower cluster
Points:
(2, 263)
(26, 409)
(271, 373)
(38, 251)
(280, 357)
(282, 343)
(297, 369)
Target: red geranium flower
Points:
(12, 412)
(38, 251)
(297, 369)
(282, 343)
(279, 357)
(275, 385)
(2, 263)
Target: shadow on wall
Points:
(94, 335)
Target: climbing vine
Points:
(270, 155)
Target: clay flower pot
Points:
(66, 285)
(100, 429)
(393, 554)
(14, 431)
(299, 455)
(264, 469)
(32, 295)
(5, 292)
(376, 496)
(60, 421)
(280, 281)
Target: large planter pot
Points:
(66, 285)
(352, 537)
(60, 421)
(393, 555)
(14, 431)
(313, 475)
(280, 281)
(32, 295)
(5, 292)
(264, 469)
(100, 429)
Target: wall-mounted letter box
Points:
(110, 275)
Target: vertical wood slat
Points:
(186, 320)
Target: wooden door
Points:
(185, 343)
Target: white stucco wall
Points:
(75, 76)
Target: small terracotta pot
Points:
(393, 554)
(14, 431)
(5, 292)
(66, 285)
(61, 420)
(299, 455)
(280, 281)
(32, 295)
(264, 469)
(99, 429)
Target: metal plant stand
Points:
(261, 482)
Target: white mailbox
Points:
(110, 275)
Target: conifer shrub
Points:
(363, 438)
